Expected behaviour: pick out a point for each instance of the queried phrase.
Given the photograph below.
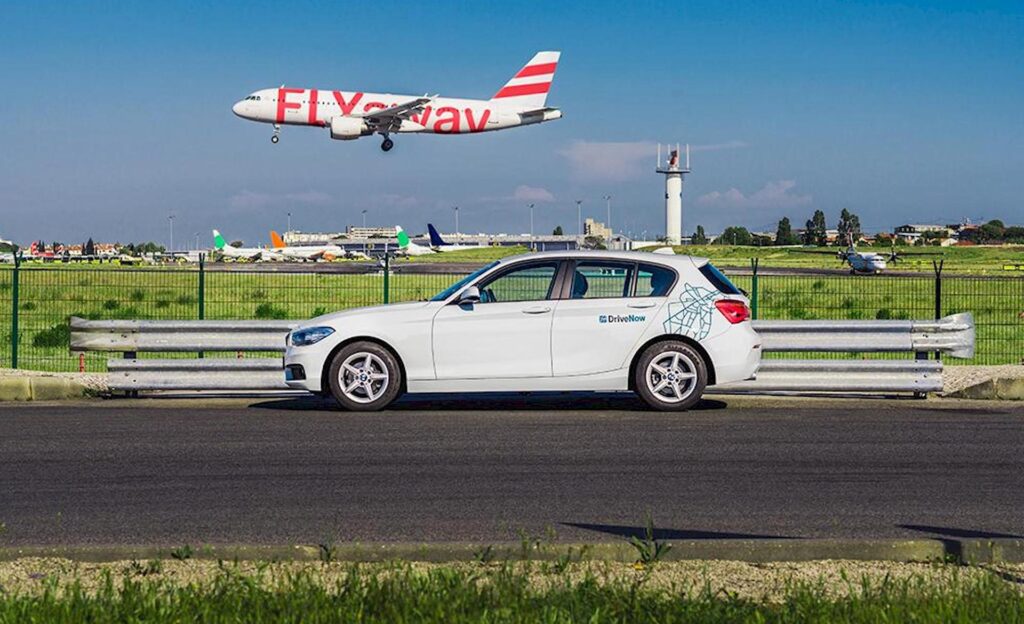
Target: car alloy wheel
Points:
(670, 375)
(363, 377)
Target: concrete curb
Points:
(750, 551)
(1000, 388)
(35, 388)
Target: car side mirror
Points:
(469, 296)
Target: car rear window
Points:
(719, 280)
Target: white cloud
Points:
(532, 194)
(775, 194)
(620, 161)
(251, 199)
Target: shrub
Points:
(111, 304)
(162, 303)
(28, 305)
(185, 300)
(259, 295)
(137, 295)
(884, 314)
(57, 335)
(268, 311)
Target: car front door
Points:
(608, 307)
(507, 334)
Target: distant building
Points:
(911, 232)
(354, 231)
(310, 238)
(596, 228)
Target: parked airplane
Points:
(353, 114)
(408, 248)
(869, 262)
(438, 244)
(241, 253)
(313, 252)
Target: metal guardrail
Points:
(952, 335)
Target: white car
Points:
(663, 326)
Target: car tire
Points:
(365, 377)
(670, 376)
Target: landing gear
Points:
(387, 144)
(277, 131)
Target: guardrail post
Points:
(202, 291)
(387, 271)
(14, 309)
(937, 266)
(753, 287)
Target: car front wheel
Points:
(365, 377)
(670, 376)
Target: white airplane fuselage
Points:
(318, 107)
(865, 262)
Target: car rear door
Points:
(607, 306)
(507, 334)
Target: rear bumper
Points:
(736, 353)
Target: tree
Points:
(816, 232)
(1014, 234)
(699, 237)
(734, 235)
(557, 231)
(89, 248)
(849, 227)
(784, 233)
(991, 232)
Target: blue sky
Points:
(118, 114)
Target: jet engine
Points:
(348, 128)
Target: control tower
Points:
(673, 172)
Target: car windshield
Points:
(457, 286)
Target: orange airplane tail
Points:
(276, 240)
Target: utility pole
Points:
(608, 204)
(579, 217)
(170, 220)
(532, 243)
(197, 241)
(456, 208)
(364, 219)
(289, 223)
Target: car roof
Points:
(678, 261)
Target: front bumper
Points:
(311, 361)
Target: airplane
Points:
(352, 114)
(313, 252)
(241, 253)
(408, 248)
(868, 262)
(438, 244)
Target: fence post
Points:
(202, 291)
(937, 266)
(753, 287)
(387, 271)
(14, 309)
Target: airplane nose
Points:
(237, 109)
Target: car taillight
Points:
(734, 311)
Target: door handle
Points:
(641, 305)
(537, 310)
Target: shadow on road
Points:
(669, 534)
(958, 533)
(493, 402)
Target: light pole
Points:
(364, 220)
(289, 223)
(366, 246)
(197, 241)
(608, 204)
(533, 244)
(170, 221)
(579, 217)
(456, 209)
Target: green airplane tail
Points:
(218, 240)
(403, 238)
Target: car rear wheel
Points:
(671, 376)
(365, 377)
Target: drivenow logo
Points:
(618, 318)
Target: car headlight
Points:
(310, 335)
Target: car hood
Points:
(377, 311)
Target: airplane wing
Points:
(392, 118)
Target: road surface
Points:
(284, 471)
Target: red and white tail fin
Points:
(528, 89)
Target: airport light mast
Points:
(673, 173)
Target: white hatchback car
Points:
(663, 326)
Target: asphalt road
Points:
(290, 471)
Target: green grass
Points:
(493, 593)
(49, 295)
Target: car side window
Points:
(601, 280)
(529, 283)
(654, 281)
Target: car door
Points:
(605, 311)
(507, 334)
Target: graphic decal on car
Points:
(691, 315)
(621, 318)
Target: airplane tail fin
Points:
(528, 89)
(435, 238)
(276, 240)
(218, 240)
(403, 238)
